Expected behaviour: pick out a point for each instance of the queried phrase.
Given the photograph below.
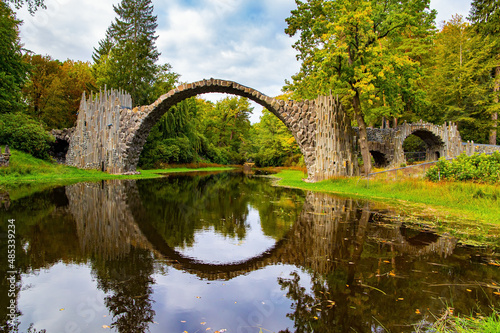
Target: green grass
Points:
(34, 174)
(468, 211)
(455, 324)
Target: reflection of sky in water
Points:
(63, 298)
(181, 301)
(212, 247)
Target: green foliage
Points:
(176, 137)
(460, 80)
(12, 68)
(24, 133)
(478, 168)
(272, 143)
(485, 15)
(54, 89)
(367, 52)
(414, 144)
(126, 58)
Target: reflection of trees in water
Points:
(179, 206)
(122, 258)
(127, 281)
(338, 241)
(366, 273)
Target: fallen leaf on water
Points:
(61, 309)
(208, 329)
(203, 322)
(198, 297)
(105, 326)
(185, 332)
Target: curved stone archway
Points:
(289, 112)
(441, 141)
(110, 135)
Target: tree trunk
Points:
(363, 136)
(494, 116)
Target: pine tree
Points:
(485, 16)
(12, 68)
(126, 57)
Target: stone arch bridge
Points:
(110, 134)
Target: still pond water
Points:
(228, 252)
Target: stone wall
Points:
(5, 157)
(334, 154)
(471, 148)
(96, 140)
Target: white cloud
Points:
(447, 8)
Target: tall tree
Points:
(460, 82)
(485, 15)
(126, 57)
(344, 47)
(13, 70)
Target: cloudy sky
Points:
(238, 40)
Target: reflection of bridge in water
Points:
(329, 232)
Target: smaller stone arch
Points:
(441, 141)
(381, 152)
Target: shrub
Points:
(478, 168)
(24, 133)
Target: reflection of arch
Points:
(324, 230)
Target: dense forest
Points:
(386, 60)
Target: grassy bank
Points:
(24, 170)
(448, 323)
(475, 206)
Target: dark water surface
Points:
(229, 252)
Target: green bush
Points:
(478, 168)
(24, 133)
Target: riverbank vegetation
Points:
(25, 169)
(441, 204)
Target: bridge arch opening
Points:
(153, 113)
(422, 145)
(379, 158)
